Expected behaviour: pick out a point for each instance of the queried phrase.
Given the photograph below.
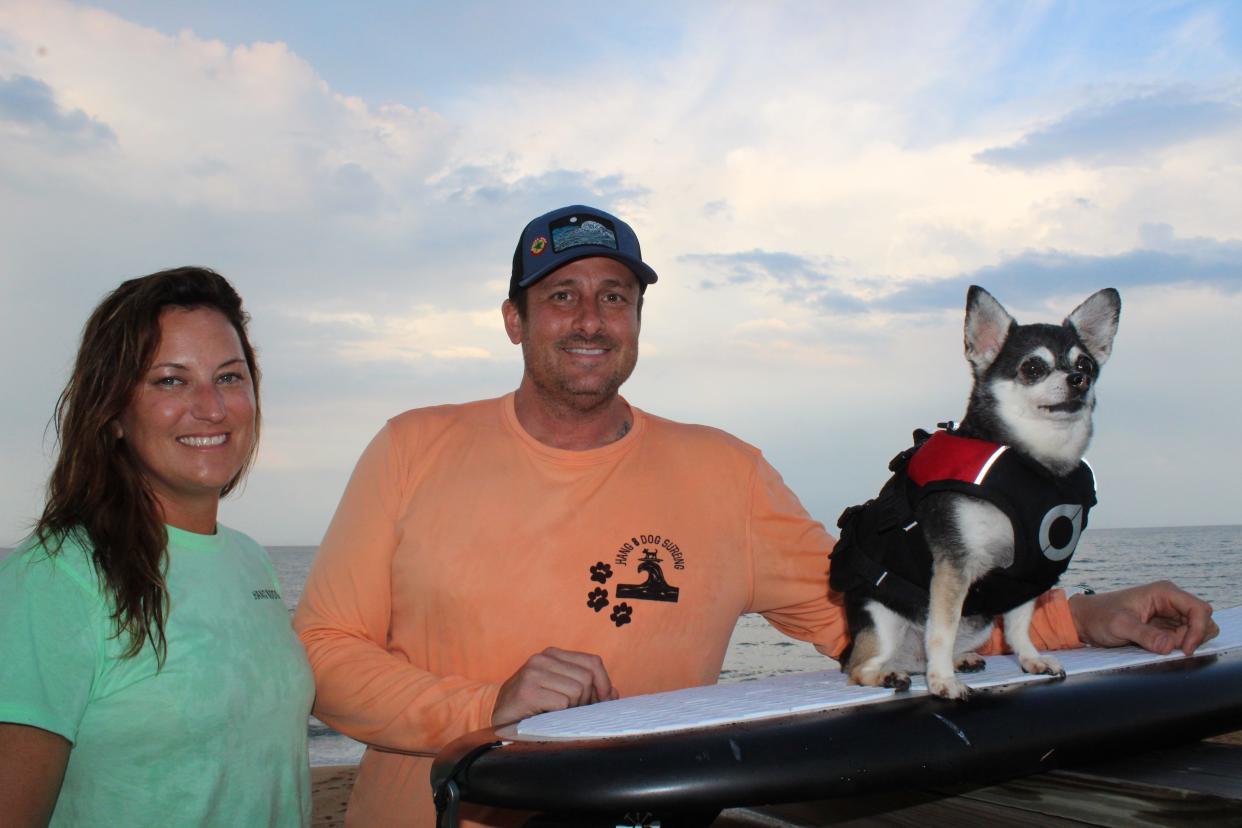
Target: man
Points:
(558, 546)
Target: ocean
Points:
(1206, 560)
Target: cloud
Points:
(819, 173)
(246, 128)
(351, 189)
(1118, 132)
(423, 334)
(495, 185)
(28, 106)
(1034, 276)
(1031, 277)
(796, 279)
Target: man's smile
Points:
(593, 347)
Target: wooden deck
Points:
(1195, 785)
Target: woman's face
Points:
(190, 423)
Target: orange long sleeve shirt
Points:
(462, 546)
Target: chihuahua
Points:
(981, 517)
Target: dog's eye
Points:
(1085, 365)
(1034, 369)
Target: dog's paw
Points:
(947, 687)
(1043, 665)
(970, 663)
(899, 680)
(896, 679)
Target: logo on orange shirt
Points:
(654, 588)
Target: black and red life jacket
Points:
(882, 554)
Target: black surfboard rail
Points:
(904, 743)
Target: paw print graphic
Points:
(621, 614)
(601, 572)
(597, 599)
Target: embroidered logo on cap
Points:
(575, 231)
(539, 245)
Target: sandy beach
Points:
(330, 787)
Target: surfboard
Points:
(810, 736)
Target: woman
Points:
(150, 675)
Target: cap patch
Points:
(575, 231)
(539, 245)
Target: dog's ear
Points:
(987, 327)
(1095, 322)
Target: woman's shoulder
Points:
(53, 557)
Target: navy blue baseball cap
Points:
(575, 232)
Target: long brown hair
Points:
(97, 493)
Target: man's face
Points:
(580, 335)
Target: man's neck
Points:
(567, 427)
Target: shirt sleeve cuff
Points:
(1052, 626)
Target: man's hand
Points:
(1158, 617)
(552, 680)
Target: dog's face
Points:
(1035, 384)
(1043, 371)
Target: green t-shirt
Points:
(217, 737)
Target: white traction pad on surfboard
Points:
(809, 692)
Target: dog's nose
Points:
(1078, 381)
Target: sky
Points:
(817, 184)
